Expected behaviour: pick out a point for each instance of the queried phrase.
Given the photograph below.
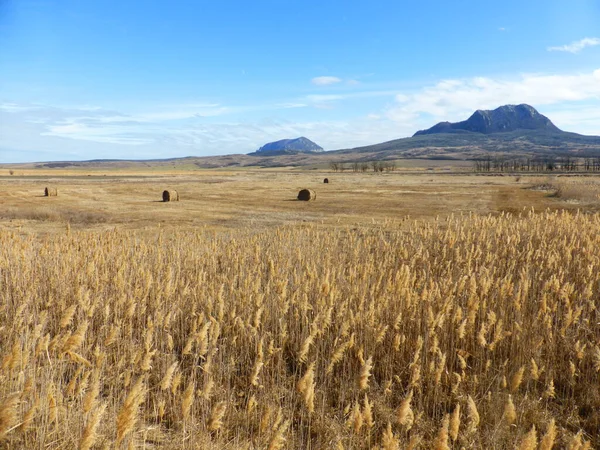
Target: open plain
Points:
(254, 200)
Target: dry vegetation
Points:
(474, 331)
(477, 332)
(234, 200)
(584, 191)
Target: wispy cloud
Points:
(576, 46)
(320, 98)
(122, 133)
(15, 107)
(325, 81)
(288, 105)
(74, 137)
(182, 112)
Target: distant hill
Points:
(288, 146)
(500, 120)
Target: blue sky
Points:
(154, 79)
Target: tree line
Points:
(375, 166)
(547, 164)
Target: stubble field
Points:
(246, 201)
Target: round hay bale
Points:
(170, 195)
(307, 194)
(50, 192)
(326, 180)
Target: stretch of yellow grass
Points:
(474, 332)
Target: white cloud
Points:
(325, 81)
(14, 107)
(454, 99)
(319, 98)
(584, 119)
(326, 101)
(576, 46)
(182, 113)
(288, 105)
(112, 134)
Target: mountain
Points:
(500, 120)
(506, 132)
(288, 146)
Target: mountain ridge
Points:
(500, 120)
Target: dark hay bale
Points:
(307, 194)
(50, 192)
(326, 180)
(170, 196)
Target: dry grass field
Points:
(255, 200)
(397, 311)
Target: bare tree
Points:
(390, 166)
